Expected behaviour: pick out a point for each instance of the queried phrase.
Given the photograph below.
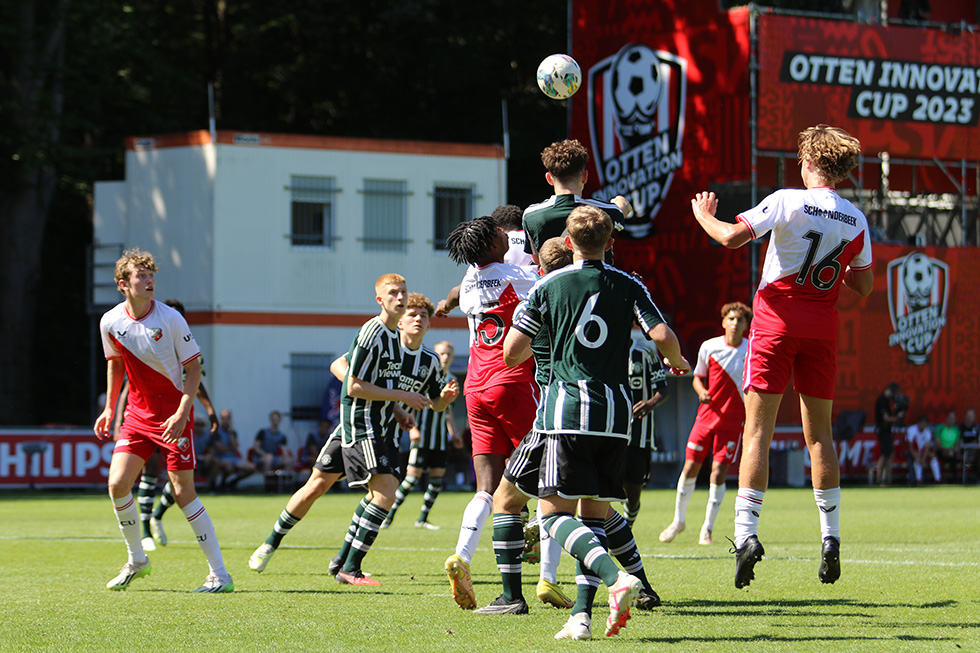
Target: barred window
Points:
(385, 215)
(452, 205)
(308, 378)
(312, 211)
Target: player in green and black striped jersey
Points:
(648, 387)
(429, 436)
(566, 163)
(371, 386)
(588, 310)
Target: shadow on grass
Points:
(777, 638)
(685, 604)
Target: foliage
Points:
(417, 69)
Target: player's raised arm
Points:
(445, 306)
(860, 281)
(732, 236)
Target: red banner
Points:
(53, 458)
(914, 93)
(664, 112)
(919, 328)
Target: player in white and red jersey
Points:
(819, 241)
(152, 344)
(510, 218)
(500, 401)
(717, 429)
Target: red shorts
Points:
(773, 358)
(180, 455)
(723, 445)
(500, 416)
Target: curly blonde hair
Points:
(131, 260)
(831, 149)
(418, 300)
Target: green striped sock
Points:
(508, 544)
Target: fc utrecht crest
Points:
(918, 294)
(636, 121)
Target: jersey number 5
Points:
(829, 262)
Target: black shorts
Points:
(886, 443)
(330, 460)
(583, 467)
(637, 465)
(427, 458)
(367, 458)
(524, 464)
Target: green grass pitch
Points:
(911, 581)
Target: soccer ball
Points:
(559, 76)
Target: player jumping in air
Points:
(819, 241)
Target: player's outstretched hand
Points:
(416, 401)
(641, 409)
(214, 422)
(443, 308)
(450, 391)
(679, 367)
(705, 397)
(705, 203)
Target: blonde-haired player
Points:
(152, 345)
(819, 241)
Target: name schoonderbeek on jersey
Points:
(488, 296)
(817, 234)
(154, 350)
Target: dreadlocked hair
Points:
(470, 241)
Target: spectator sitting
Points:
(224, 445)
(921, 449)
(270, 450)
(314, 443)
(970, 438)
(206, 462)
(947, 438)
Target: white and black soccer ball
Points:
(636, 84)
(917, 277)
(559, 76)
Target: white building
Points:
(273, 242)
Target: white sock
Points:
(203, 529)
(917, 467)
(550, 552)
(716, 494)
(936, 473)
(685, 488)
(477, 512)
(748, 505)
(128, 516)
(828, 501)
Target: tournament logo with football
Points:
(918, 295)
(636, 119)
